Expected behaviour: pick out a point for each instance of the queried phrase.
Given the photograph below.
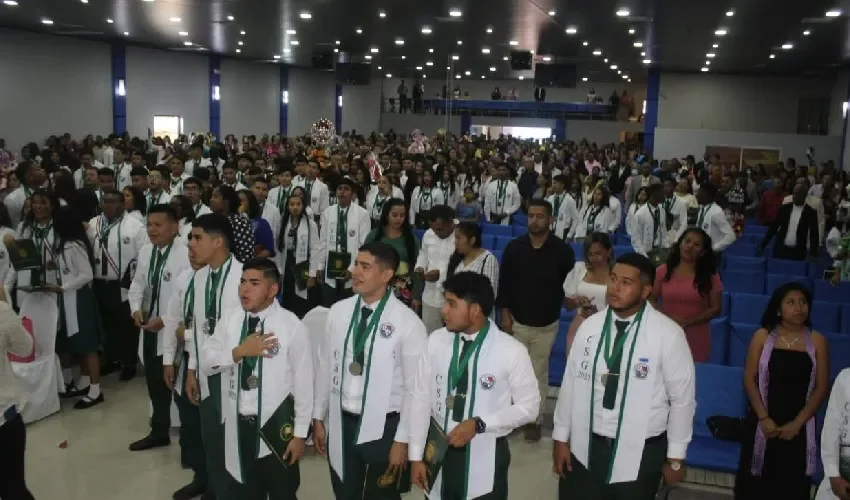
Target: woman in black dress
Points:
(786, 377)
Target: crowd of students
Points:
(169, 238)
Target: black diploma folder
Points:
(338, 263)
(279, 429)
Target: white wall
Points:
(160, 82)
(312, 95)
(428, 124)
(677, 143)
(250, 98)
(507, 121)
(361, 107)
(600, 131)
(52, 85)
(740, 103)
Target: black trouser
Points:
(13, 442)
(191, 443)
(158, 392)
(780, 251)
(454, 473)
(263, 476)
(402, 103)
(121, 344)
(366, 464)
(331, 295)
(590, 483)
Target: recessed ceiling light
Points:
(460, 42)
(708, 63)
(368, 56)
(287, 50)
(833, 13)
(243, 33)
(710, 55)
(430, 51)
(374, 50)
(625, 77)
(638, 44)
(551, 12)
(305, 15)
(426, 30)
(623, 12)
(605, 60)
(597, 52)
(419, 68)
(715, 45)
(704, 69)
(521, 77)
(337, 42)
(647, 61)
(230, 18)
(46, 21)
(108, 20)
(613, 66)
(584, 79)
(358, 31)
(457, 77)
(126, 33)
(183, 33)
(187, 43)
(240, 43)
(294, 42)
(455, 57)
(403, 58)
(618, 71)
(584, 43)
(147, 0)
(787, 46)
(572, 30)
(379, 68)
(631, 31)
(513, 43)
(505, 58)
(424, 76)
(773, 56)
(336, 50)
(429, 63)
(291, 32)
(489, 29)
(720, 32)
(483, 77)
(174, 19)
(84, 1)
(730, 13)
(642, 54)
(399, 41)
(382, 14)
(455, 13)
(238, 51)
(277, 56)
(10, 3)
(389, 75)
(467, 72)
(485, 50)
(807, 33)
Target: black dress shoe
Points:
(208, 495)
(127, 373)
(190, 491)
(88, 402)
(72, 391)
(149, 442)
(109, 368)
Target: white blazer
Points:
(601, 224)
(645, 234)
(419, 204)
(492, 203)
(567, 219)
(358, 226)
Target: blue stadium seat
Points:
(520, 231)
(502, 242)
(839, 352)
(622, 250)
(774, 281)
(751, 239)
(741, 249)
(740, 263)
(498, 254)
(488, 241)
(578, 250)
(740, 335)
(789, 267)
(816, 269)
(567, 315)
(719, 340)
(747, 308)
(845, 319)
(419, 233)
(825, 292)
(727, 304)
(826, 316)
(755, 229)
(519, 219)
(558, 355)
(623, 239)
(743, 281)
(719, 391)
(497, 229)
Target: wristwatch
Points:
(676, 465)
(480, 426)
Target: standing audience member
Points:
(298, 249)
(712, 219)
(834, 442)
(263, 234)
(786, 377)
(395, 230)
(795, 228)
(586, 285)
(225, 201)
(438, 245)
(689, 291)
(469, 256)
(534, 267)
(770, 203)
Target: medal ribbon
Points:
(189, 303)
(210, 292)
(360, 340)
(458, 366)
(501, 192)
(155, 269)
(104, 245)
(259, 397)
(341, 229)
(702, 211)
(283, 196)
(656, 222)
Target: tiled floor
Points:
(96, 464)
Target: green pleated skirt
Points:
(88, 339)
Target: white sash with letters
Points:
(378, 375)
(638, 369)
(302, 249)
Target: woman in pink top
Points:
(688, 289)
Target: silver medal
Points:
(253, 382)
(205, 327)
(355, 368)
(450, 403)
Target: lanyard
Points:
(702, 211)
(104, 243)
(283, 195)
(592, 213)
(308, 186)
(669, 203)
(155, 269)
(501, 192)
(252, 361)
(189, 303)
(656, 222)
(559, 198)
(614, 351)
(360, 341)
(422, 196)
(198, 208)
(341, 229)
(154, 201)
(218, 288)
(378, 207)
(458, 364)
(39, 234)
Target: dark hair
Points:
(285, 217)
(107, 172)
(601, 238)
(253, 205)
(138, 171)
(706, 267)
(29, 220)
(22, 169)
(264, 265)
(406, 230)
(215, 225)
(709, 189)
(5, 219)
(606, 197)
(640, 190)
(113, 192)
(139, 201)
(539, 202)
(653, 190)
(187, 211)
(164, 208)
(68, 228)
(641, 263)
(442, 212)
(470, 230)
(193, 180)
(385, 255)
(472, 288)
(64, 187)
(231, 199)
(562, 179)
(201, 175)
(772, 313)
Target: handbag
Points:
(726, 428)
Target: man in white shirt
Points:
(122, 169)
(31, 176)
(156, 194)
(315, 190)
(564, 209)
(624, 416)
(813, 201)
(649, 233)
(364, 382)
(712, 219)
(196, 159)
(502, 198)
(279, 195)
(477, 412)
(229, 177)
(676, 212)
(835, 442)
(267, 359)
(192, 189)
(177, 177)
(438, 245)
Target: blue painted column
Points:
(338, 108)
(465, 124)
(215, 96)
(284, 100)
(119, 88)
(844, 126)
(650, 118)
(560, 131)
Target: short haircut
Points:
(264, 265)
(562, 179)
(138, 171)
(641, 263)
(385, 255)
(215, 225)
(473, 288)
(547, 207)
(229, 166)
(653, 190)
(442, 212)
(113, 192)
(192, 180)
(23, 168)
(201, 174)
(229, 195)
(709, 189)
(164, 208)
(106, 172)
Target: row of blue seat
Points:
(760, 283)
(827, 316)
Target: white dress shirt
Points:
(793, 223)
(835, 436)
(507, 203)
(422, 199)
(434, 255)
(716, 224)
(123, 243)
(817, 205)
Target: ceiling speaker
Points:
(323, 60)
(520, 60)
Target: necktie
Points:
(212, 312)
(612, 383)
(248, 368)
(459, 407)
(157, 276)
(362, 329)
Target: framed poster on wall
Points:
(746, 156)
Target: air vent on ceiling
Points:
(79, 32)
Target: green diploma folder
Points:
(435, 450)
(301, 272)
(658, 256)
(279, 429)
(338, 263)
(24, 256)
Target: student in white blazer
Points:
(502, 198)
(364, 382)
(616, 213)
(649, 226)
(712, 219)
(192, 187)
(38, 226)
(159, 264)
(317, 191)
(344, 228)
(216, 290)
(477, 400)
(597, 216)
(640, 201)
(116, 239)
(676, 210)
(566, 216)
(267, 359)
(122, 168)
(835, 442)
(378, 196)
(423, 198)
(196, 159)
(298, 250)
